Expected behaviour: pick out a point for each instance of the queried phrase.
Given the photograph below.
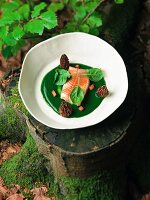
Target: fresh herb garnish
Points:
(61, 76)
(77, 95)
(95, 74)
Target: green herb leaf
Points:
(62, 77)
(17, 33)
(38, 9)
(119, 1)
(49, 19)
(95, 74)
(35, 26)
(24, 11)
(77, 95)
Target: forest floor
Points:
(139, 164)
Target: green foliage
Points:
(85, 18)
(19, 20)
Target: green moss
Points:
(15, 98)
(11, 127)
(103, 186)
(26, 168)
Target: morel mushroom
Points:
(102, 91)
(65, 109)
(64, 62)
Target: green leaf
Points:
(55, 6)
(11, 6)
(95, 74)
(9, 18)
(17, 33)
(119, 1)
(90, 6)
(84, 28)
(49, 19)
(77, 95)
(17, 47)
(1, 45)
(24, 11)
(95, 20)
(7, 52)
(63, 75)
(70, 27)
(9, 40)
(3, 32)
(35, 26)
(80, 13)
(38, 9)
(95, 31)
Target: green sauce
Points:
(90, 102)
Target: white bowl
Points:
(80, 48)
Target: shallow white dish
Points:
(80, 48)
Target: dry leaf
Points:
(1, 196)
(1, 181)
(11, 150)
(15, 197)
(39, 193)
(3, 190)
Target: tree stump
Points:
(84, 152)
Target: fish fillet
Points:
(78, 78)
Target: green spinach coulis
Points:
(90, 102)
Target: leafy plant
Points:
(21, 21)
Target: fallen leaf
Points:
(1, 181)
(39, 193)
(3, 190)
(11, 150)
(15, 197)
(1, 196)
(14, 189)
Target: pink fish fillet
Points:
(78, 78)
